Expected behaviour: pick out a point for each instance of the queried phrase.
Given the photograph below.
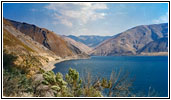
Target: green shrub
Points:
(72, 78)
(56, 82)
(15, 83)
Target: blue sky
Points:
(87, 18)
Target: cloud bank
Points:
(161, 19)
(70, 13)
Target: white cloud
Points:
(62, 20)
(66, 22)
(67, 13)
(162, 19)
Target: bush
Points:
(72, 85)
(56, 83)
(15, 83)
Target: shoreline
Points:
(51, 65)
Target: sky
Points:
(104, 19)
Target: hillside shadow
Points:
(8, 60)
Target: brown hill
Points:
(49, 39)
(31, 55)
(159, 45)
(132, 40)
(81, 46)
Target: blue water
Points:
(148, 71)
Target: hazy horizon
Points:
(102, 19)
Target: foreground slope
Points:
(132, 40)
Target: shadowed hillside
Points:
(159, 45)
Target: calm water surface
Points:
(148, 71)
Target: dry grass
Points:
(12, 41)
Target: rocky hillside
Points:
(47, 38)
(159, 45)
(89, 40)
(133, 41)
(79, 45)
(31, 55)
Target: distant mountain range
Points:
(144, 38)
(139, 40)
(89, 40)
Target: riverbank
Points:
(51, 65)
(154, 54)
